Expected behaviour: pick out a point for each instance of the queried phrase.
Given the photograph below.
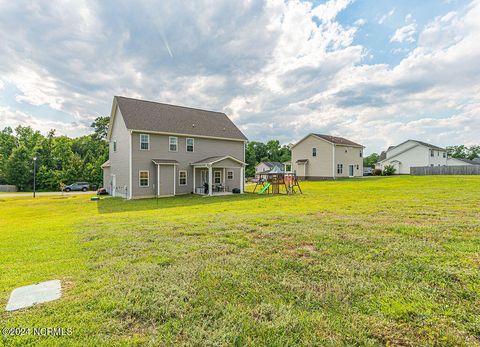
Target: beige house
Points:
(317, 157)
(163, 150)
(266, 166)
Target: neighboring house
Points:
(163, 150)
(318, 156)
(266, 166)
(413, 153)
(461, 162)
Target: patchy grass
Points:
(366, 262)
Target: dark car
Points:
(77, 186)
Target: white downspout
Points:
(334, 164)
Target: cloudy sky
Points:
(377, 72)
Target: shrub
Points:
(388, 170)
(377, 172)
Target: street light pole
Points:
(34, 175)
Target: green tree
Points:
(19, 167)
(371, 160)
(100, 127)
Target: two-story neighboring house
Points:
(317, 157)
(163, 150)
(412, 153)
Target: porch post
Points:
(224, 179)
(194, 180)
(210, 180)
(242, 179)
(158, 179)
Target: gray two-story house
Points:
(158, 149)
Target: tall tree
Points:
(371, 160)
(100, 127)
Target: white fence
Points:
(8, 188)
(445, 170)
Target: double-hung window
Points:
(173, 143)
(361, 154)
(144, 142)
(115, 145)
(182, 177)
(217, 178)
(339, 169)
(144, 178)
(189, 144)
(432, 152)
(229, 175)
(314, 152)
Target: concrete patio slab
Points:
(28, 296)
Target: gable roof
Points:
(420, 143)
(272, 164)
(335, 140)
(149, 116)
(213, 160)
(338, 140)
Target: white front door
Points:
(350, 170)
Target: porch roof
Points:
(213, 160)
(165, 161)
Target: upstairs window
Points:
(339, 169)
(114, 146)
(431, 152)
(144, 142)
(182, 177)
(173, 143)
(143, 178)
(361, 153)
(190, 144)
(444, 154)
(314, 152)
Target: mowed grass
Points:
(370, 261)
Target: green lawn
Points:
(366, 262)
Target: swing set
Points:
(277, 182)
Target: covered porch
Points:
(221, 175)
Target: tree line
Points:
(59, 159)
(257, 152)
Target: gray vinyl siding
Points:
(119, 160)
(159, 149)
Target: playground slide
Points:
(264, 189)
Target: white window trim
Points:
(139, 178)
(219, 176)
(233, 174)
(148, 142)
(176, 143)
(186, 144)
(339, 169)
(180, 177)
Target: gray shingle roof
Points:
(338, 140)
(165, 161)
(429, 145)
(272, 164)
(157, 117)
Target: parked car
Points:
(77, 186)
(367, 171)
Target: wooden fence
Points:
(445, 170)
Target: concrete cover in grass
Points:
(27, 296)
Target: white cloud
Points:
(280, 69)
(360, 22)
(405, 34)
(386, 16)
